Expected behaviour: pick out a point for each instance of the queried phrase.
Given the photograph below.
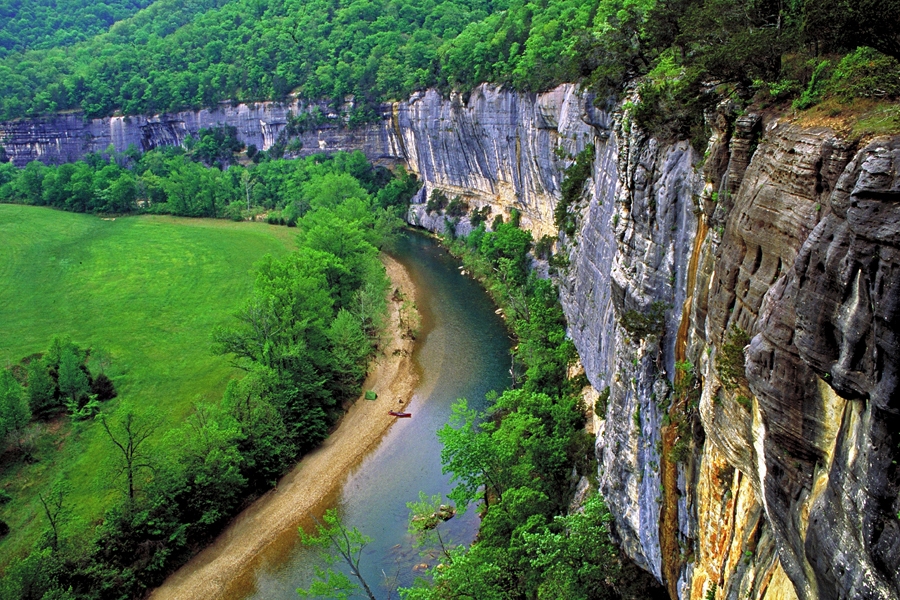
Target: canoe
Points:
(402, 415)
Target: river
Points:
(462, 351)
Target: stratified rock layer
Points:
(70, 137)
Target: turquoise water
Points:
(462, 351)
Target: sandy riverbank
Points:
(216, 571)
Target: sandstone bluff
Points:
(789, 485)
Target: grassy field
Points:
(147, 290)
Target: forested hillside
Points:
(46, 24)
(254, 50)
(177, 55)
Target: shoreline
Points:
(224, 568)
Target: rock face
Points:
(68, 138)
(767, 471)
(497, 148)
(835, 318)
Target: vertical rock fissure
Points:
(395, 125)
(672, 561)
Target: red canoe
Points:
(402, 415)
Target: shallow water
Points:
(462, 351)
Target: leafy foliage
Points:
(683, 410)
(175, 181)
(516, 459)
(61, 378)
(177, 55)
(38, 24)
(575, 176)
(337, 544)
(14, 410)
(730, 360)
(644, 323)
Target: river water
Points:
(462, 352)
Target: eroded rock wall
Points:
(67, 138)
(499, 148)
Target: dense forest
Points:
(48, 24)
(177, 55)
(181, 182)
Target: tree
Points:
(41, 389)
(852, 23)
(264, 442)
(14, 411)
(337, 544)
(130, 440)
(54, 510)
(247, 183)
(468, 454)
(120, 196)
(575, 554)
(426, 516)
(210, 464)
(72, 380)
(349, 350)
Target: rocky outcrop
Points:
(772, 479)
(792, 486)
(70, 137)
(498, 148)
(833, 323)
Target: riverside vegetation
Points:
(519, 458)
(519, 462)
(303, 338)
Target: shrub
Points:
(866, 73)
(480, 215)
(559, 262)
(103, 388)
(572, 187)
(544, 246)
(641, 324)
(457, 207)
(813, 93)
(680, 450)
(437, 201)
(674, 109)
(602, 403)
(730, 360)
(235, 211)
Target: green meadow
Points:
(146, 291)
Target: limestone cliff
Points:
(768, 468)
(789, 485)
(70, 137)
